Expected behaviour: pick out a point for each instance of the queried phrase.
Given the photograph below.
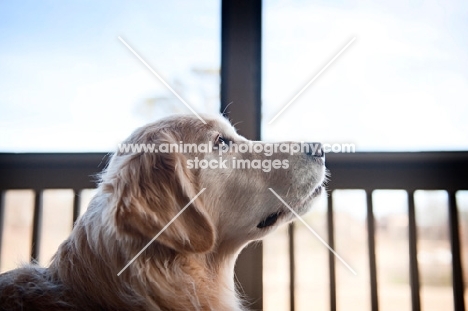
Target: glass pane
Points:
(401, 85)
(86, 197)
(312, 274)
(276, 270)
(56, 222)
(17, 229)
(349, 209)
(434, 253)
(391, 238)
(69, 84)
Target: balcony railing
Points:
(367, 171)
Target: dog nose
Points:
(315, 150)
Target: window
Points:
(69, 84)
(402, 85)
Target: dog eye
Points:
(221, 142)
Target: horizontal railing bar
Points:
(399, 170)
(50, 170)
(376, 170)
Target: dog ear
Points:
(149, 190)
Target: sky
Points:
(401, 85)
(68, 84)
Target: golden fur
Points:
(190, 266)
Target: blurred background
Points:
(67, 84)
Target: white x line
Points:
(161, 79)
(313, 231)
(160, 232)
(313, 79)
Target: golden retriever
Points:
(190, 265)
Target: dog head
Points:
(243, 188)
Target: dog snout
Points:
(315, 150)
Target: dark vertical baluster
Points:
(292, 270)
(413, 254)
(457, 272)
(76, 205)
(2, 221)
(331, 256)
(241, 53)
(37, 226)
(371, 247)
